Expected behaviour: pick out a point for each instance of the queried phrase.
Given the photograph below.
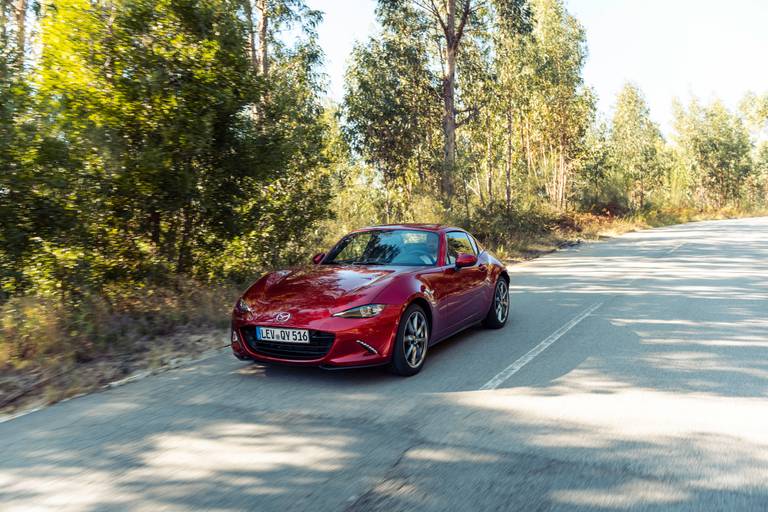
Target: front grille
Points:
(319, 344)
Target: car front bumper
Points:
(355, 341)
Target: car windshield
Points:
(386, 247)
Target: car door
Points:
(468, 282)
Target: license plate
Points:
(282, 335)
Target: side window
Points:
(476, 245)
(457, 242)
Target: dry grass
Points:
(52, 349)
(35, 383)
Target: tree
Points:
(635, 142)
(389, 107)
(265, 19)
(13, 25)
(449, 23)
(754, 109)
(546, 109)
(598, 189)
(27, 208)
(761, 175)
(716, 146)
(150, 102)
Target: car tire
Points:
(498, 313)
(411, 342)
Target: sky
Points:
(669, 48)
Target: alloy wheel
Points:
(501, 301)
(415, 339)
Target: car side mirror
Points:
(465, 260)
(317, 258)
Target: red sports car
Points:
(382, 296)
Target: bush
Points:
(499, 228)
(37, 328)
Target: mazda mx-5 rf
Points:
(381, 296)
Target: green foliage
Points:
(142, 144)
(635, 146)
(600, 188)
(716, 147)
(754, 109)
(528, 146)
(549, 110)
(494, 226)
(143, 156)
(757, 182)
(390, 104)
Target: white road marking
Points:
(675, 248)
(515, 367)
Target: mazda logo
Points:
(282, 317)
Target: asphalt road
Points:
(633, 376)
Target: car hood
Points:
(319, 288)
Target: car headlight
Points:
(242, 307)
(367, 311)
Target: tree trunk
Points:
(3, 18)
(509, 161)
(449, 122)
(528, 151)
(466, 200)
(184, 260)
(488, 156)
(522, 145)
(252, 47)
(252, 42)
(20, 15)
(563, 180)
(387, 199)
(478, 187)
(263, 34)
(154, 223)
(453, 35)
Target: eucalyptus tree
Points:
(754, 109)
(716, 146)
(635, 143)
(448, 24)
(544, 107)
(596, 186)
(12, 222)
(761, 174)
(13, 24)
(389, 108)
(26, 209)
(564, 106)
(515, 66)
(266, 19)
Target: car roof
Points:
(422, 227)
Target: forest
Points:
(155, 155)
